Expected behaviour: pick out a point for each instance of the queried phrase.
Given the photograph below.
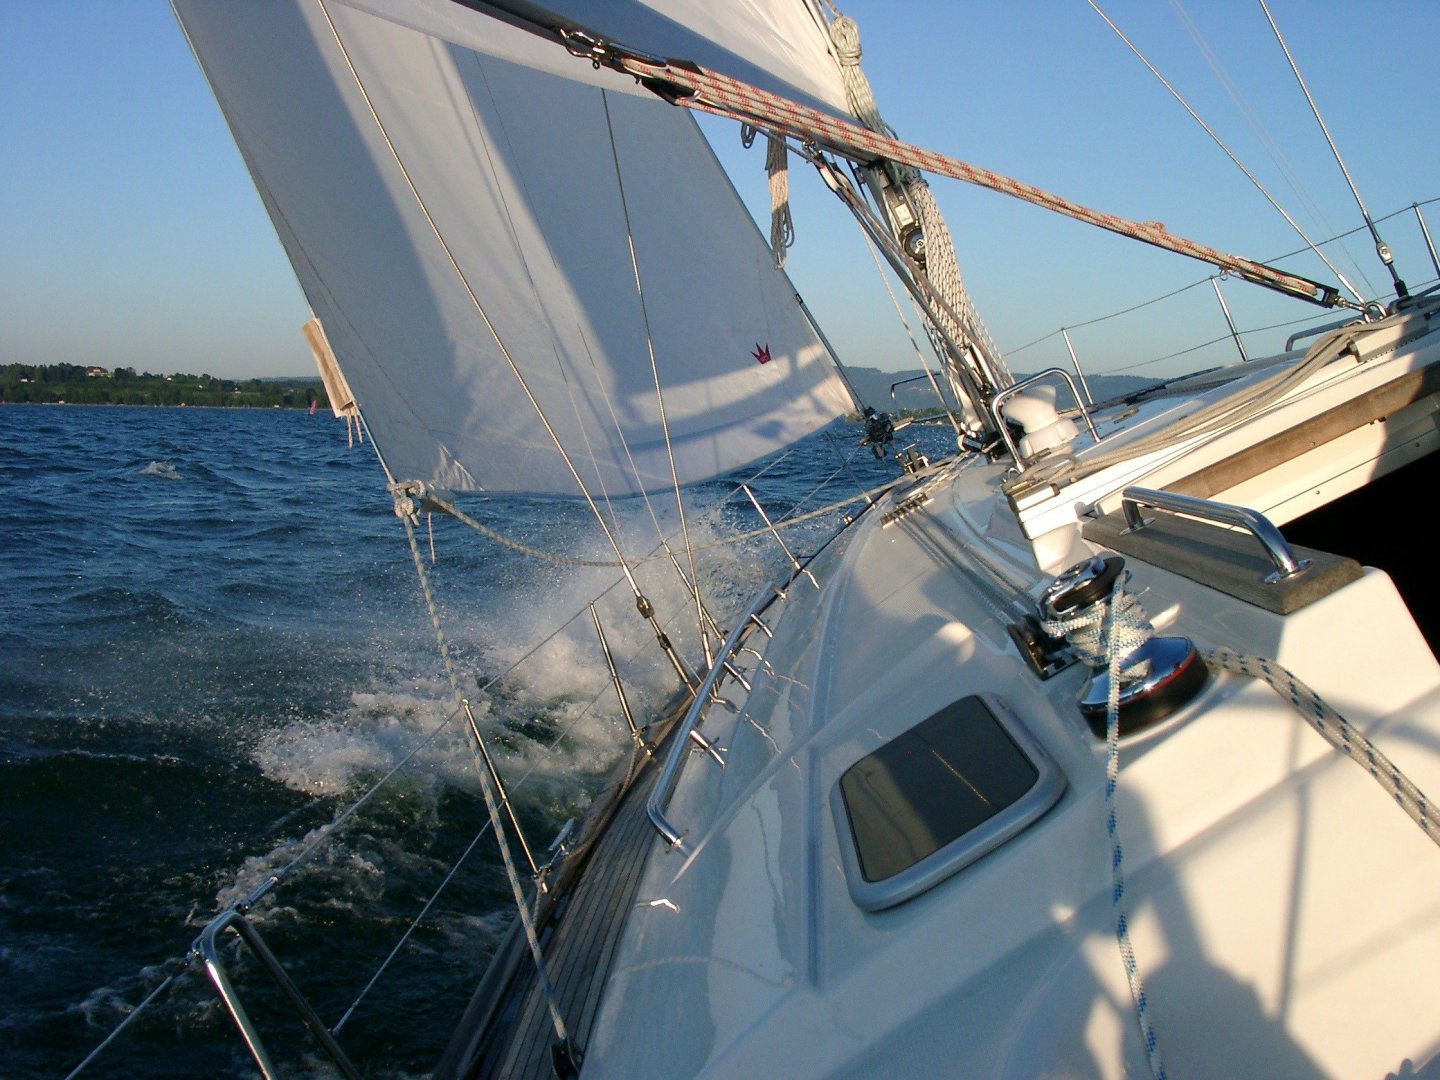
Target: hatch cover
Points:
(937, 797)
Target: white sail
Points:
(497, 250)
(778, 45)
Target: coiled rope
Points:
(942, 267)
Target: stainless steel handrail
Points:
(1257, 524)
(670, 774)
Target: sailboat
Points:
(1096, 747)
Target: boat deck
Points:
(507, 1031)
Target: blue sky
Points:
(130, 234)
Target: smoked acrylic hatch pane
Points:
(937, 797)
(936, 782)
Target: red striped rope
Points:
(709, 91)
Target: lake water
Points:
(212, 642)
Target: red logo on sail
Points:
(761, 353)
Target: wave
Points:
(203, 673)
(162, 469)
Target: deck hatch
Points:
(937, 797)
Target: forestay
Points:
(497, 240)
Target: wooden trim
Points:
(1378, 405)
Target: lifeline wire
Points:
(565, 560)
(406, 511)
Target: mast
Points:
(971, 361)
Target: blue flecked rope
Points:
(1105, 635)
(1117, 623)
(1118, 647)
(1337, 731)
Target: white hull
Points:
(1283, 910)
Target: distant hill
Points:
(915, 393)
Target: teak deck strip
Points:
(579, 945)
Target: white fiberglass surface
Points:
(1252, 853)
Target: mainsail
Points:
(509, 250)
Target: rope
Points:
(777, 169)
(1105, 634)
(407, 512)
(564, 560)
(1337, 731)
(708, 91)
(942, 268)
(782, 225)
(973, 387)
(1097, 637)
(480, 310)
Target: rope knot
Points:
(845, 35)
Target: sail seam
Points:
(694, 583)
(524, 261)
(474, 299)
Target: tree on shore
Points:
(78, 385)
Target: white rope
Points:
(782, 225)
(1105, 635)
(1098, 637)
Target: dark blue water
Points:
(212, 642)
